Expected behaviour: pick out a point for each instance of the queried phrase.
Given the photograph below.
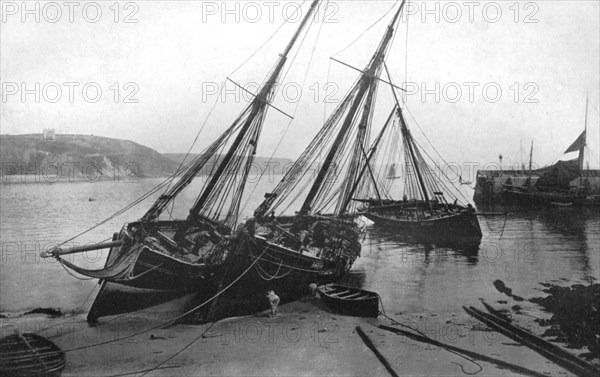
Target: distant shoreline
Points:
(36, 179)
(89, 158)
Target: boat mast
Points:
(368, 164)
(521, 151)
(582, 149)
(260, 102)
(409, 141)
(530, 162)
(366, 80)
(411, 148)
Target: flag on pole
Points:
(577, 144)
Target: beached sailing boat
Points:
(564, 184)
(430, 205)
(153, 260)
(321, 240)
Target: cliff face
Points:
(81, 155)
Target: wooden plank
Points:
(558, 351)
(541, 346)
(339, 293)
(364, 298)
(352, 295)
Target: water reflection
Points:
(524, 249)
(459, 249)
(568, 234)
(573, 229)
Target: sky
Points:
(483, 79)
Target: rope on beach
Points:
(373, 348)
(170, 322)
(504, 225)
(178, 352)
(423, 336)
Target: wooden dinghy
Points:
(30, 355)
(350, 301)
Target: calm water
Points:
(560, 245)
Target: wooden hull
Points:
(265, 266)
(115, 299)
(548, 199)
(460, 226)
(155, 279)
(535, 199)
(350, 301)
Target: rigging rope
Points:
(190, 149)
(366, 30)
(436, 151)
(405, 98)
(295, 108)
(268, 39)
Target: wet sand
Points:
(305, 339)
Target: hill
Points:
(81, 156)
(88, 157)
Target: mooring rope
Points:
(394, 321)
(180, 351)
(167, 323)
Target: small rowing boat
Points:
(350, 301)
(30, 355)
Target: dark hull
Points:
(155, 279)
(356, 302)
(460, 226)
(114, 299)
(547, 199)
(264, 265)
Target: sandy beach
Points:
(304, 339)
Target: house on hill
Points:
(49, 134)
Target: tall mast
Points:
(582, 149)
(366, 80)
(368, 163)
(521, 151)
(411, 148)
(409, 141)
(258, 104)
(530, 161)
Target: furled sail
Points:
(219, 198)
(121, 268)
(341, 146)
